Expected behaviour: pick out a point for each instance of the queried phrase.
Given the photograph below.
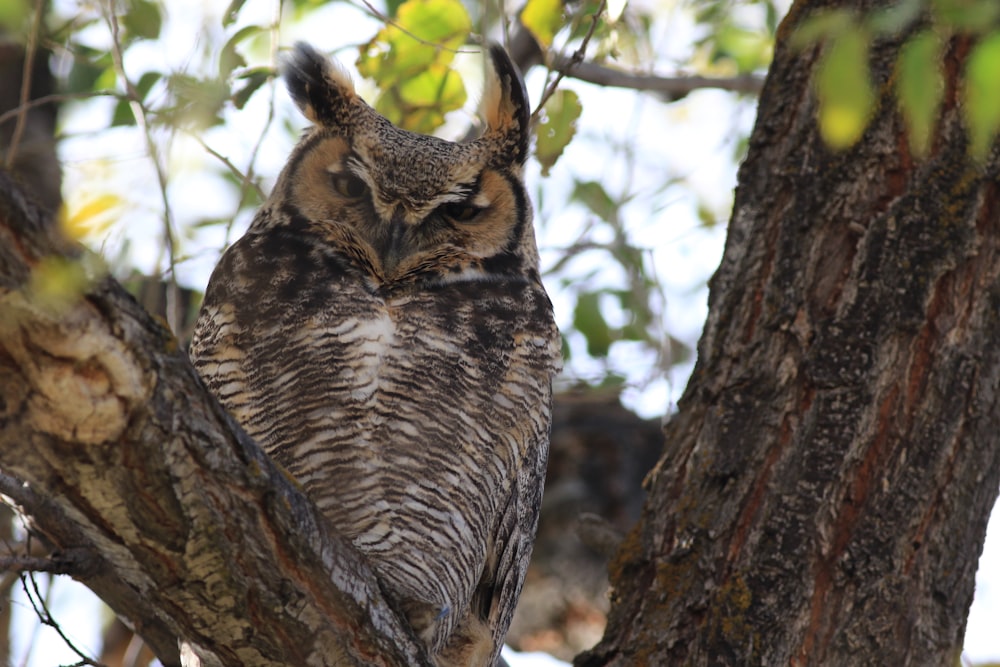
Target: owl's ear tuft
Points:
(321, 88)
(505, 105)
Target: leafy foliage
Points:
(734, 44)
(845, 91)
(543, 18)
(410, 60)
(186, 105)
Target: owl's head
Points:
(416, 202)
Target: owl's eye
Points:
(349, 185)
(460, 211)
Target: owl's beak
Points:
(393, 248)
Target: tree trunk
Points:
(826, 484)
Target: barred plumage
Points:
(382, 331)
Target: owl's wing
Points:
(254, 325)
(514, 543)
(497, 596)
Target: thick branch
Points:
(113, 447)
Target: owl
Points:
(382, 332)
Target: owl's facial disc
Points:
(429, 198)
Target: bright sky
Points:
(690, 141)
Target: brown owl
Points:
(382, 331)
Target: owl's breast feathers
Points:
(383, 333)
(414, 413)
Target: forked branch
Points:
(114, 449)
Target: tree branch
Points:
(526, 53)
(670, 87)
(112, 446)
(35, 564)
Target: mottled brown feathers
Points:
(382, 332)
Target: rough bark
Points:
(827, 480)
(150, 494)
(599, 454)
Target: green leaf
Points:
(749, 49)
(57, 283)
(612, 381)
(146, 83)
(254, 80)
(89, 67)
(920, 87)
(415, 39)
(444, 22)
(843, 83)
(582, 21)
(557, 127)
(122, 115)
(589, 321)
(822, 24)
(199, 101)
(543, 18)
(232, 12)
(438, 88)
(419, 44)
(14, 15)
(229, 58)
(593, 195)
(677, 351)
(143, 19)
(566, 352)
(981, 95)
(706, 216)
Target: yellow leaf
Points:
(840, 125)
(543, 18)
(844, 88)
(410, 61)
(93, 217)
(57, 283)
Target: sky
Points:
(690, 143)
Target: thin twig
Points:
(247, 178)
(55, 97)
(26, 79)
(390, 21)
(45, 618)
(34, 564)
(233, 169)
(574, 60)
(140, 114)
(572, 251)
